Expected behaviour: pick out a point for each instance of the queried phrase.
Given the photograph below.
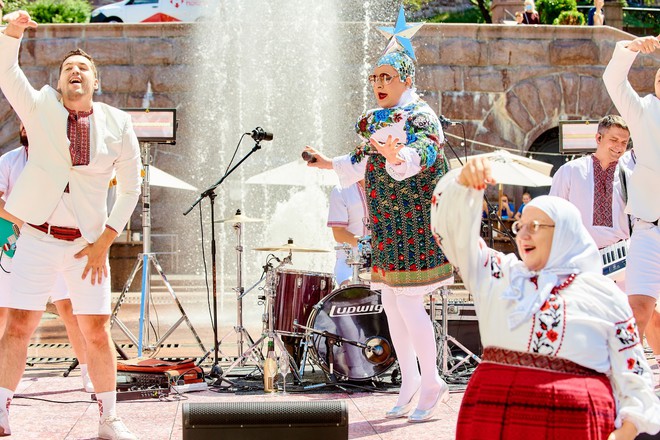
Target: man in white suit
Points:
(642, 116)
(75, 146)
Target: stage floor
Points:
(49, 406)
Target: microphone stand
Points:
(216, 371)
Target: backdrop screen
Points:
(577, 136)
(154, 125)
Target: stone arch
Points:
(534, 105)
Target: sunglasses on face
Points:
(383, 78)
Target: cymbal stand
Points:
(444, 352)
(269, 332)
(144, 261)
(242, 334)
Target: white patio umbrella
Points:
(159, 177)
(511, 169)
(295, 173)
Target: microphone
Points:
(307, 157)
(444, 122)
(259, 134)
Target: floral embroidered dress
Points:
(585, 319)
(404, 252)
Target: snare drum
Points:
(354, 314)
(296, 293)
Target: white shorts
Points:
(58, 293)
(35, 269)
(643, 262)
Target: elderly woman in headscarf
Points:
(562, 356)
(401, 160)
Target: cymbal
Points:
(240, 218)
(289, 247)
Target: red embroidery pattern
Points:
(100, 408)
(499, 355)
(77, 128)
(549, 323)
(8, 403)
(635, 366)
(626, 333)
(603, 184)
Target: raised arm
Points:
(15, 86)
(455, 222)
(615, 77)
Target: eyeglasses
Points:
(532, 227)
(383, 78)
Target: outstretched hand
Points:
(390, 149)
(17, 22)
(646, 45)
(476, 174)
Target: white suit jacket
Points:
(642, 116)
(113, 147)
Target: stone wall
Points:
(507, 84)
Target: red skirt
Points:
(515, 402)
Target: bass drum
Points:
(354, 316)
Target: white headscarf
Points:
(573, 251)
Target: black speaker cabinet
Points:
(318, 420)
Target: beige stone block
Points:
(487, 79)
(518, 52)
(570, 84)
(642, 80)
(172, 79)
(64, 31)
(114, 99)
(104, 30)
(528, 94)
(48, 52)
(152, 51)
(589, 103)
(114, 51)
(517, 112)
(186, 30)
(573, 52)
(462, 52)
(465, 105)
(125, 79)
(143, 30)
(550, 94)
(439, 78)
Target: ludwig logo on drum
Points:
(366, 309)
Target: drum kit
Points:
(343, 330)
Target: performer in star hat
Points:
(401, 160)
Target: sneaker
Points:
(4, 424)
(113, 428)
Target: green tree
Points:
(573, 18)
(53, 11)
(549, 10)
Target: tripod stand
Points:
(242, 334)
(444, 352)
(145, 260)
(269, 331)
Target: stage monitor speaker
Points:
(318, 420)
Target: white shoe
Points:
(112, 428)
(4, 424)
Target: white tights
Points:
(413, 337)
